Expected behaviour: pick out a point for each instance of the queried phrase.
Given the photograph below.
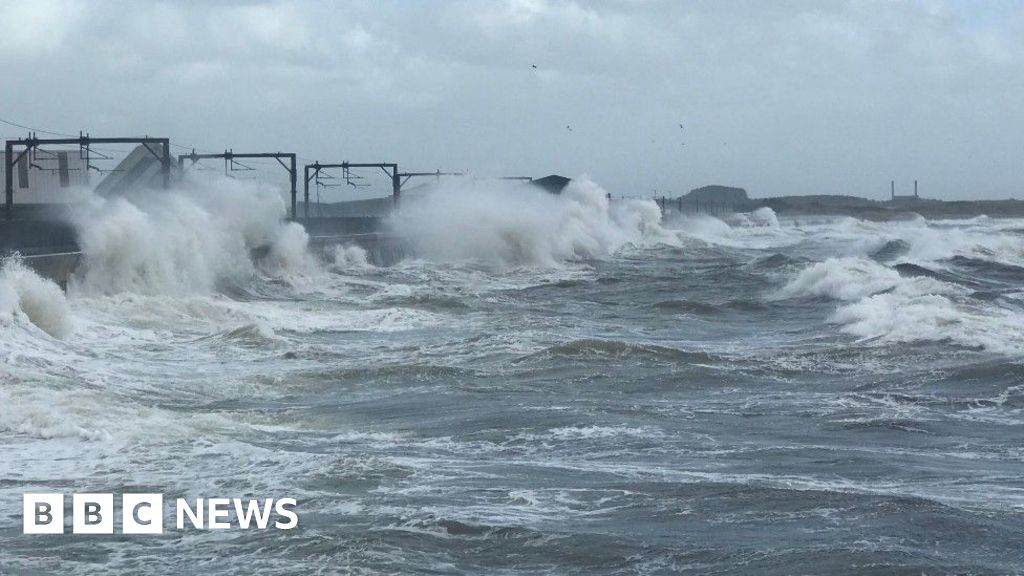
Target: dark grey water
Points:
(817, 397)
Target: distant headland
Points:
(729, 198)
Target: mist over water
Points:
(551, 384)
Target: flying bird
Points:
(569, 128)
(534, 66)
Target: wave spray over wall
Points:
(516, 224)
(196, 238)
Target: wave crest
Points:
(24, 293)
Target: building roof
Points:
(552, 183)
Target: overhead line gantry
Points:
(84, 141)
(229, 161)
(389, 168)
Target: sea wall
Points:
(50, 248)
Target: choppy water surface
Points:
(810, 396)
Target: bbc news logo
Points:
(144, 513)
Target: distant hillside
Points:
(714, 198)
(823, 200)
(718, 194)
(890, 209)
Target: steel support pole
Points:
(292, 173)
(166, 161)
(305, 206)
(9, 179)
(396, 185)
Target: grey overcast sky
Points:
(778, 96)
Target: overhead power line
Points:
(66, 135)
(29, 128)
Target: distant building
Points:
(44, 176)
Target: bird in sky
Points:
(568, 127)
(534, 66)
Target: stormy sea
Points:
(543, 385)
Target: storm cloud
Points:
(781, 97)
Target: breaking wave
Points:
(761, 217)
(759, 229)
(881, 304)
(517, 224)
(350, 256)
(932, 318)
(853, 278)
(193, 239)
(23, 294)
